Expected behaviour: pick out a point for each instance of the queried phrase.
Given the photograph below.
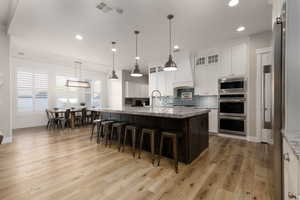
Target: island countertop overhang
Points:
(165, 112)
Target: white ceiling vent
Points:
(104, 7)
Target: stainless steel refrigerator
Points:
(278, 110)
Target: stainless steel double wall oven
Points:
(232, 105)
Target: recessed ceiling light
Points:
(113, 49)
(176, 47)
(78, 37)
(240, 29)
(233, 3)
(137, 58)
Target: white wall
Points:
(5, 89)
(293, 66)
(32, 119)
(115, 92)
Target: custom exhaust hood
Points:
(184, 76)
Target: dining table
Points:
(73, 112)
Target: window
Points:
(200, 61)
(96, 93)
(213, 59)
(32, 91)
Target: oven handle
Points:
(233, 118)
(232, 100)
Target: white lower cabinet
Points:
(213, 121)
(291, 173)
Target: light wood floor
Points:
(56, 165)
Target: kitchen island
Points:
(190, 123)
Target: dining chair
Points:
(51, 119)
(64, 121)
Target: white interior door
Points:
(264, 95)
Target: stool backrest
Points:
(47, 113)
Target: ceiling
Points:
(51, 26)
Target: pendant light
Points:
(170, 64)
(136, 70)
(113, 73)
(78, 83)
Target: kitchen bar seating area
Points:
(149, 100)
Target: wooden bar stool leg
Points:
(112, 130)
(106, 129)
(125, 137)
(141, 144)
(175, 152)
(160, 149)
(119, 132)
(133, 141)
(152, 148)
(92, 134)
(99, 132)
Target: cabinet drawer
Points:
(291, 171)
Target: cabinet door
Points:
(225, 64)
(239, 59)
(213, 121)
(152, 82)
(201, 80)
(161, 82)
(291, 167)
(169, 78)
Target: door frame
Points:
(259, 111)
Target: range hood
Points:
(184, 76)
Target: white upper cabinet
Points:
(235, 61)
(239, 59)
(136, 90)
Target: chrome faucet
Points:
(152, 96)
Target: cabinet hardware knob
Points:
(292, 195)
(286, 157)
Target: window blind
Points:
(32, 91)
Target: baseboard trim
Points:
(248, 138)
(253, 139)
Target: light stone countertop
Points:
(293, 139)
(170, 112)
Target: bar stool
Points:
(133, 130)
(117, 128)
(96, 123)
(151, 133)
(106, 128)
(174, 136)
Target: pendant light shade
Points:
(113, 75)
(136, 72)
(170, 64)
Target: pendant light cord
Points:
(113, 56)
(170, 32)
(136, 47)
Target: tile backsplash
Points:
(196, 101)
